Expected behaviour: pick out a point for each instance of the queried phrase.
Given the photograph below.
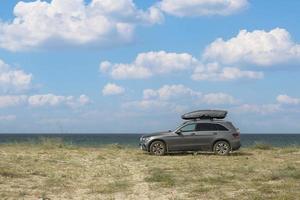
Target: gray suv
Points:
(208, 133)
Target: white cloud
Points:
(214, 72)
(259, 47)
(148, 64)
(10, 101)
(47, 99)
(218, 99)
(100, 22)
(43, 100)
(285, 99)
(13, 79)
(112, 89)
(280, 106)
(146, 104)
(7, 118)
(193, 8)
(155, 63)
(55, 100)
(168, 92)
(261, 109)
(83, 100)
(104, 66)
(126, 71)
(155, 105)
(221, 60)
(177, 98)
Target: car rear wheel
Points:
(158, 148)
(222, 148)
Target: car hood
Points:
(157, 134)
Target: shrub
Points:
(262, 146)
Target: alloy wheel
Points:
(157, 148)
(222, 148)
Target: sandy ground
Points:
(52, 170)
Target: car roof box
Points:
(205, 114)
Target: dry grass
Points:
(53, 170)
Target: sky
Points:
(125, 66)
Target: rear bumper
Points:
(235, 145)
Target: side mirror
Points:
(178, 132)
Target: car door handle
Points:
(193, 134)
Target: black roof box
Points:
(205, 114)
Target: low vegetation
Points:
(262, 146)
(50, 169)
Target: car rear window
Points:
(205, 127)
(220, 127)
(210, 127)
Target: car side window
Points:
(188, 128)
(206, 127)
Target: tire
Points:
(222, 148)
(158, 148)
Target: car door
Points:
(184, 138)
(205, 134)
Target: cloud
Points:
(194, 8)
(168, 92)
(218, 99)
(7, 118)
(282, 105)
(285, 99)
(112, 89)
(221, 60)
(13, 79)
(100, 22)
(178, 98)
(10, 101)
(55, 100)
(214, 72)
(43, 100)
(259, 47)
(83, 100)
(261, 109)
(149, 64)
(151, 105)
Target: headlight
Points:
(145, 139)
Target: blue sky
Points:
(68, 66)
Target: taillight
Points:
(236, 135)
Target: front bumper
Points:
(144, 144)
(143, 147)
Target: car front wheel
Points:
(222, 148)
(158, 148)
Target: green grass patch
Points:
(160, 176)
(110, 188)
(287, 172)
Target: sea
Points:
(132, 140)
